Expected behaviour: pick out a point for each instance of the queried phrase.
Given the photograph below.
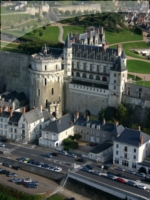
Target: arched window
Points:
(84, 75)
(98, 78)
(78, 74)
(90, 76)
(38, 92)
(45, 81)
(45, 67)
(104, 78)
(104, 69)
(52, 91)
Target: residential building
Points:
(58, 130)
(130, 148)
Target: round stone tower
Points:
(46, 81)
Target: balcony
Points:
(90, 80)
(91, 71)
(125, 158)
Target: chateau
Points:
(85, 76)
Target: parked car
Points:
(57, 169)
(89, 166)
(2, 145)
(16, 180)
(12, 175)
(27, 180)
(121, 180)
(55, 154)
(80, 160)
(26, 160)
(4, 140)
(20, 159)
(93, 144)
(120, 169)
(143, 187)
(72, 155)
(96, 172)
(111, 177)
(63, 153)
(48, 155)
(15, 167)
(131, 183)
(141, 174)
(130, 172)
(4, 172)
(106, 166)
(7, 165)
(86, 169)
(32, 185)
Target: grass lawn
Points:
(56, 197)
(122, 36)
(143, 83)
(138, 66)
(133, 77)
(133, 45)
(72, 29)
(9, 45)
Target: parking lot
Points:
(44, 185)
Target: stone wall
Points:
(13, 71)
(56, 176)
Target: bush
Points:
(70, 144)
(138, 30)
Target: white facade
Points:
(54, 140)
(128, 156)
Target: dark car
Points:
(15, 167)
(89, 166)
(106, 166)
(3, 140)
(7, 165)
(4, 172)
(80, 160)
(32, 185)
(55, 154)
(12, 175)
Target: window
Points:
(77, 65)
(1, 125)
(116, 152)
(125, 148)
(104, 134)
(52, 92)
(90, 76)
(91, 66)
(5, 126)
(84, 66)
(45, 67)
(22, 125)
(116, 161)
(134, 165)
(38, 92)
(84, 75)
(1, 120)
(125, 155)
(104, 70)
(134, 150)
(56, 67)
(134, 157)
(114, 87)
(45, 82)
(117, 145)
(15, 130)
(125, 163)
(72, 65)
(128, 91)
(23, 131)
(114, 74)
(114, 81)
(97, 68)
(11, 130)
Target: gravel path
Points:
(147, 76)
(61, 32)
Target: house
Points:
(58, 130)
(13, 100)
(130, 148)
(102, 152)
(4, 118)
(31, 123)
(95, 131)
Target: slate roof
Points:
(67, 42)
(5, 114)
(46, 115)
(15, 118)
(106, 127)
(33, 115)
(123, 55)
(119, 65)
(59, 125)
(118, 130)
(132, 137)
(102, 147)
(12, 95)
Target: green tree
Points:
(101, 114)
(44, 27)
(121, 113)
(40, 33)
(77, 136)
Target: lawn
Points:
(138, 66)
(143, 83)
(72, 29)
(9, 45)
(122, 36)
(133, 45)
(56, 197)
(133, 77)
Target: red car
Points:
(121, 180)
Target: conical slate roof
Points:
(119, 65)
(123, 55)
(67, 42)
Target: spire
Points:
(67, 42)
(119, 65)
(123, 55)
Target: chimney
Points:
(139, 128)
(23, 110)
(11, 112)
(41, 108)
(141, 140)
(77, 115)
(104, 46)
(119, 49)
(116, 123)
(87, 118)
(104, 121)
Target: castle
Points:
(85, 76)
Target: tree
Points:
(85, 26)
(40, 33)
(121, 113)
(77, 136)
(44, 27)
(34, 31)
(76, 19)
(101, 114)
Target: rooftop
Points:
(102, 147)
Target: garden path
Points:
(147, 76)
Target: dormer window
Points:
(88, 125)
(98, 127)
(93, 126)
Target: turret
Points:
(67, 57)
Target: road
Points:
(66, 163)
